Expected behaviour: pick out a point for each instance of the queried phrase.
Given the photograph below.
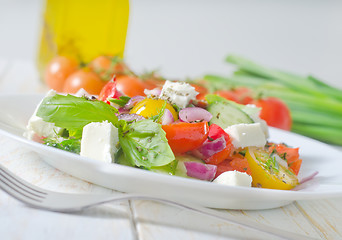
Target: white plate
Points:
(15, 111)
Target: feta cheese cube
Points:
(37, 126)
(82, 92)
(254, 112)
(99, 141)
(234, 178)
(246, 135)
(178, 93)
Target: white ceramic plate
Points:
(15, 111)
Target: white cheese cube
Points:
(234, 178)
(82, 92)
(178, 93)
(37, 126)
(99, 141)
(246, 135)
(254, 113)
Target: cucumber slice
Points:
(226, 114)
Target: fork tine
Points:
(19, 189)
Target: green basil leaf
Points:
(121, 101)
(145, 145)
(73, 113)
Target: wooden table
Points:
(143, 220)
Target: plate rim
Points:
(276, 194)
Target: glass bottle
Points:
(82, 29)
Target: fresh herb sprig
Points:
(143, 143)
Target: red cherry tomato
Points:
(85, 79)
(183, 137)
(109, 91)
(106, 67)
(216, 132)
(58, 71)
(130, 85)
(274, 112)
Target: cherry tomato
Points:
(106, 67)
(274, 112)
(58, 71)
(184, 137)
(265, 174)
(216, 132)
(290, 154)
(85, 79)
(240, 95)
(109, 91)
(151, 107)
(130, 85)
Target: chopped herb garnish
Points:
(122, 101)
(71, 145)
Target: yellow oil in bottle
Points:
(82, 29)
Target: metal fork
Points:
(36, 197)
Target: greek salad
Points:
(168, 131)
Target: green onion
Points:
(316, 107)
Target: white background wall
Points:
(187, 38)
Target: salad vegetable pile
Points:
(288, 101)
(169, 129)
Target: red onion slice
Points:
(209, 148)
(304, 180)
(123, 110)
(134, 100)
(200, 170)
(308, 178)
(130, 117)
(167, 117)
(192, 114)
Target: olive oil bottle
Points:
(82, 29)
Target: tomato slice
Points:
(215, 132)
(236, 162)
(109, 91)
(184, 137)
(266, 173)
(240, 163)
(202, 91)
(291, 155)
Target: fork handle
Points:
(214, 213)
